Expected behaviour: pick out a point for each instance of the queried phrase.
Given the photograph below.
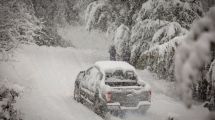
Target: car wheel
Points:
(99, 108)
(96, 106)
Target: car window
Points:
(122, 75)
(86, 77)
(130, 75)
(118, 74)
(88, 71)
(121, 78)
(94, 78)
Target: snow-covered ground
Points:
(47, 75)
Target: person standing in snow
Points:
(112, 52)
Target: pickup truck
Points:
(112, 87)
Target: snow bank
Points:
(163, 106)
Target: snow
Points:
(85, 40)
(114, 65)
(162, 105)
(121, 42)
(48, 74)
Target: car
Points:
(113, 87)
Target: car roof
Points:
(114, 65)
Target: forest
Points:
(144, 33)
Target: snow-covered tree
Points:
(21, 21)
(103, 15)
(17, 24)
(57, 12)
(148, 33)
(160, 58)
(121, 43)
(193, 55)
(167, 33)
(183, 12)
(97, 15)
(156, 24)
(141, 37)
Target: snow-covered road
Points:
(47, 75)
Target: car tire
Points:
(96, 106)
(99, 108)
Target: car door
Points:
(94, 80)
(84, 83)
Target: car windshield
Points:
(121, 78)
